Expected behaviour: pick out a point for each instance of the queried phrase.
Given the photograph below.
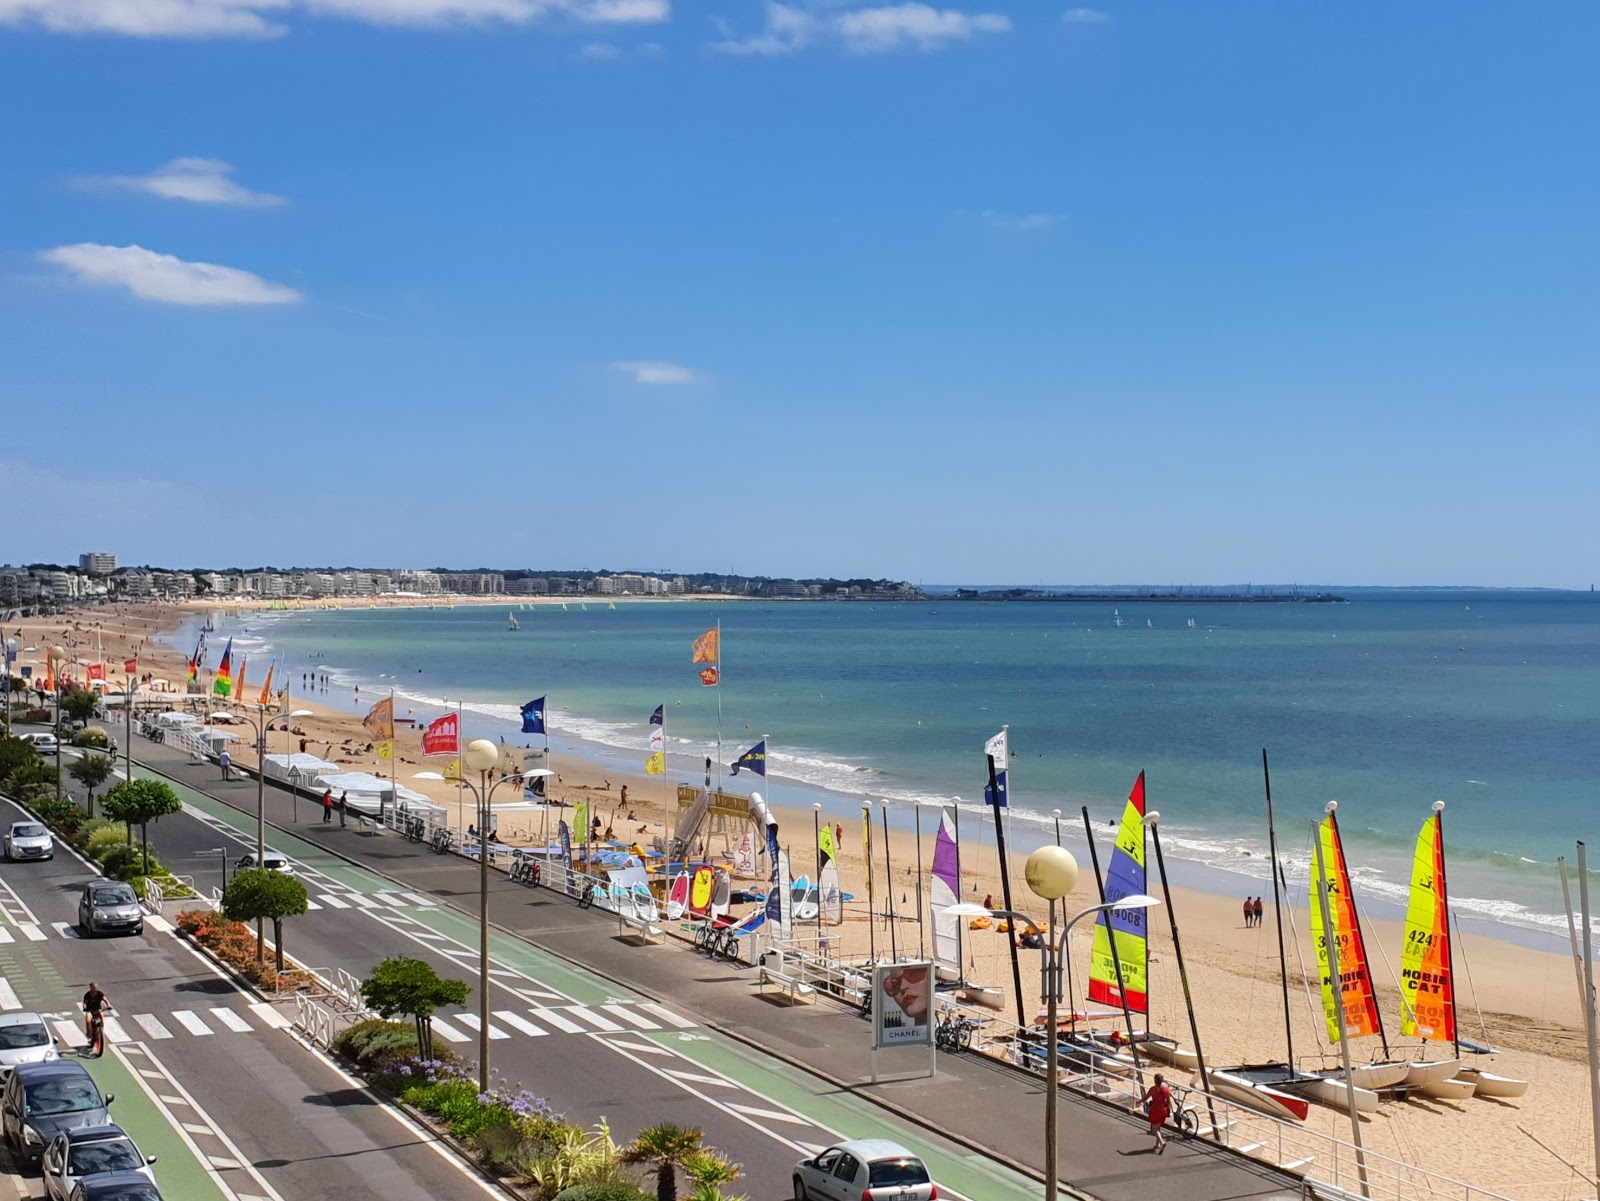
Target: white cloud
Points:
(152, 276)
(599, 51)
(256, 18)
(1020, 222)
(201, 180)
(647, 372)
(877, 28)
(1085, 16)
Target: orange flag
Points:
(239, 688)
(708, 647)
(266, 689)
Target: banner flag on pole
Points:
(443, 736)
(96, 671)
(533, 716)
(266, 689)
(998, 748)
(194, 660)
(452, 770)
(708, 647)
(379, 721)
(223, 684)
(243, 663)
(656, 764)
(386, 750)
(710, 677)
(755, 759)
(130, 666)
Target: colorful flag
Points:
(223, 684)
(194, 660)
(379, 721)
(755, 759)
(49, 674)
(656, 764)
(533, 717)
(386, 750)
(452, 770)
(580, 816)
(709, 676)
(266, 689)
(1119, 960)
(443, 736)
(659, 717)
(96, 671)
(131, 666)
(243, 663)
(708, 647)
(998, 749)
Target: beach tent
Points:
(176, 721)
(216, 736)
(367, 792)
(309, 767)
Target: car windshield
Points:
(22, 1035)
(111, 1155)
(63, 1096)
(113, 896)
(28, 830)
(886, 1172)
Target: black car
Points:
(116, 1186)
(40, 1100)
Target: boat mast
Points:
(1335, 972)
(1277, 911)
(1361, 941)
(1440, 891)
(1152, 819)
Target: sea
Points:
(1386, 702)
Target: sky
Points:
(944, 291)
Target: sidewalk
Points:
(1105, 1152)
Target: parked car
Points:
(109, 906)
(45, 743)
(29, 840)
(90, 1151)
(116, 1186)
(868, 1169)
(272, 861)
(24, 1038)
(40, 1100)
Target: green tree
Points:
(708, 1172)
(260, 892)
(79, 704)
(32, 780)
(15, 753)
(92, 771)
(401, 985)
(140, 802)
(663, 1150)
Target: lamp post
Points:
(261, 727)
(481, 756)
(1052, 873)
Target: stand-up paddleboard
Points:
(700, 889)
(644, 904)
(722, 893)
(805, 900)
(678, 898)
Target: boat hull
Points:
(1423, 1072)
(1487, 1084)
(1450, 1090)
(1229, 1083)
(1169, 1052)
(1332, 1091)
(1379, 1076)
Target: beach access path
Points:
(816, 1056)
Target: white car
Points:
(87, 1151)
(273, 861)
(45, 743)
(24, 1039)
(866, 1169)
(29, 840)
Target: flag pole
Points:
(922, 946)
(872, 908)
(719, 706)
(888, 872)
(1005, 876)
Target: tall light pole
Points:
(261, 727)
(1052, 873)
(481, 756)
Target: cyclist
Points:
(95, 1004)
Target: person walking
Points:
(1259, 910)
(227, 762)
(1158, 1097)
(1249, 912)
(344, 802)
(327, 806)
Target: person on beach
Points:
(1258, 910)
(344, 801)
(622, 797)
(327, 806)
(302, 746)
(1159, 1099)
(1249, 912)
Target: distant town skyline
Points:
(935, 291)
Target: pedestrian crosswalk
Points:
(199, 1023)
(348, 898)
(612, 1018)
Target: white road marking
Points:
(310, 904)
(269, 1015)
(553, 1016)
(152, 1025)
(678, 1074)
(389, 898)
(629, 1013)
(31, 932)
(667, 1016)
(159, 924)
(598, 1020)
(517, 1023)
(333, 901)
(65, 929)
(114, 1031)
(190, 1021)
(364, 901)
(470, 1021)
(448, 1032)
(231, 1020)
(6, 935)
(69, 1033)
(8, 995)
(420, 901)
(776, 1115)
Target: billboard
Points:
(902, 1004)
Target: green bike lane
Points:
(775, 1101)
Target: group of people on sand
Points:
(1252, 912)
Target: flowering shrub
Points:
(235, 944)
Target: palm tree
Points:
(664, 1149)
(708, 1172)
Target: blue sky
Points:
(945, 291)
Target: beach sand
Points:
(1537, 1147)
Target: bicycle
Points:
(95, 1021)
(525, 871)
(587, 895)
(443, 837)
(954, 1032)
(414, 829)
(1182, 1113)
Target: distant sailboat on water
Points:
(511, 621)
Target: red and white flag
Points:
(131, 666)
(443, 736)
(97, 671)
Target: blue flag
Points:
(755, 759)
(988, 792)
(659, 716)
(533, 717)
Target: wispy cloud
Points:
(200, 180)
(1085, 16)
(152, 276)
(1020, 222)
(865, 30)
(652, 372)
(266, 18)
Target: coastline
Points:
(1527, 995)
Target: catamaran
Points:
(511, 620)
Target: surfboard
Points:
(678, 898)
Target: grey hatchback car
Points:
(40, 1100)
(109, 906)
(864, 1169)
(24, 1038)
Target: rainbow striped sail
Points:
(1120, 935)
(1427, 990)
(223, 684)
(1355, 978)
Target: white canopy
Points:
(172, 721)
(365, 792)
(309, 766)
(217, 736)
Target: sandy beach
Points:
(1535, 1147)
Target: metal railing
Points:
(154, 895)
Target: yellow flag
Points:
(380, 721)
(656, 765)
(580, 815)
(452, 770)
(386, 750)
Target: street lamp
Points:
(481, 756)
(260, 727)
(1052, 873)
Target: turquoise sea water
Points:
(1487, 700)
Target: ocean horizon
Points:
(1488, 699)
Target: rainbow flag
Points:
(223, 684)
(1121, 937)
(194, 660)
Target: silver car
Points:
(24, 1039)
(45, 744)
(29, 840)
(109, 905)
(273, 861)
(863, 1168)
(89, 1151)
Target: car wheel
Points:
(800, 1193)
